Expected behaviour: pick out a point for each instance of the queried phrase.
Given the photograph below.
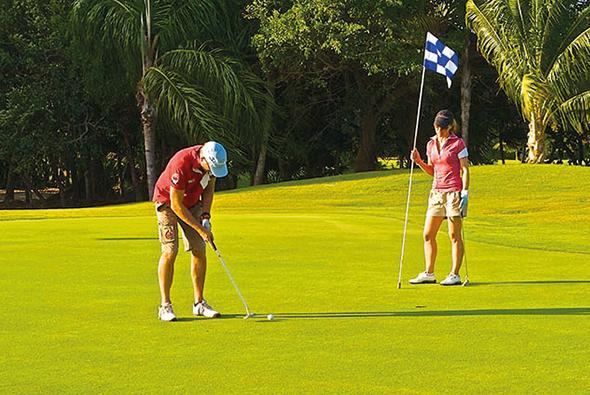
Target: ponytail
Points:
(454, 127)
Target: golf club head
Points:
(399, 285)
(248, 315)
(465, 283)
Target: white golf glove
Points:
(206, 224)
(464, 202)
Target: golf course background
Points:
(80, 295)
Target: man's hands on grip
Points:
(206, 224)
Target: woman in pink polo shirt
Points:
(448, 163)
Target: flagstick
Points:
(401, 259)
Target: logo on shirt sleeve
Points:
(175, 178)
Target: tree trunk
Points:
(536, 141)
(121, 174)
(62, 196)
(39, 196)
(148, 123)
(135, 180)
(502, 149)
(580, 150)
(466, 85)
(131, 159)
(28, 197)
(259, 175)
(366, 157)
(88, 186)
(9, 197)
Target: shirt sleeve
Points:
(178, 179)
(462, 149)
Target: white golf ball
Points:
(270, 317)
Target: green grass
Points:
(79, 293)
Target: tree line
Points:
(97, 95)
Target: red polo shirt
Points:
(446, 162)
(183, 172)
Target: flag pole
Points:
(401, 259)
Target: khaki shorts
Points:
(168, 230)
(444, 204)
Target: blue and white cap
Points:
(216, 157)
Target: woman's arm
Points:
(465, 172)
(427, 167)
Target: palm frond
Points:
(574, 61)
(496, 45)
(116, 23)
(187, 106)
(572, 28)
(557, 21)
(519, 19)
(490, 41)
(241, 95)
(181, 21)
(575, 112)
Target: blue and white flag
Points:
(440, 58)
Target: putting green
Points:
(79, 293)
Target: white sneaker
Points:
(424, 278)
(166, 313)
(452, 279)
(205, 310)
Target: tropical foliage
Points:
(203, 92)
(541, 49)
(97, 95)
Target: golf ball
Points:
(270, 317)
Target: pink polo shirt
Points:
(447, 167)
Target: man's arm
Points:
(207, 196)
(177, 205)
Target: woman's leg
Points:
(455, 224)
(430, 230)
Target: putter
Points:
(248, 313)
(466, 282)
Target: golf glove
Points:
(464, 202)
(206, 224)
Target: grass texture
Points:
(79, 293)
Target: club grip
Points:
(213, 245)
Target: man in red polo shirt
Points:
(183, 196)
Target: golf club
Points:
(466, 282)
(248, 313)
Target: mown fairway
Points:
(79, 293)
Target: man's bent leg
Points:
(166, 275)
(198, 273)
(168, 235)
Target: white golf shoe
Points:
(203, 308)
(166, 313)
(452, 279)
(424, 278)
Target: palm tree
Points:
(541, 50)
(179, 75)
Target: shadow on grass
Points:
(223, 317)
(126, 238)
(556, 311)
(440, 313)
(531, 282)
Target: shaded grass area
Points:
(81, 294)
